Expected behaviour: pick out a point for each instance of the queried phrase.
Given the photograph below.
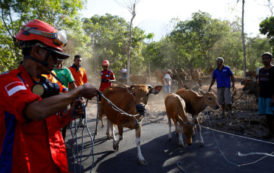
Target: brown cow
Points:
(175, 109)
(131, 100)
(196, 103)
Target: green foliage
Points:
(14, 13)
(109, 37)
(267, 28)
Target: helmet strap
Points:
(44, 63)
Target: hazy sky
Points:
(155, 15)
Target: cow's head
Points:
(188, 129)
(141, 93)
(210, 100)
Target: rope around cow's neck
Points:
(116, 108)
(239, 154)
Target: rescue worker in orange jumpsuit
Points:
(30, 118)
(78, 72)
(107, 76)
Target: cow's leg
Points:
(101, 112)
(116, 143)
(199, 131)
(169, 133)
(180, 135)
(120, 130)
(176, 126)
(140, 156)
(109, 127)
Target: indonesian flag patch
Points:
(14, 87)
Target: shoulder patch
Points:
(14, 87)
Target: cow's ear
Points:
(155, 90)
(131, 89)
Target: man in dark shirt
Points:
(223, 75)
(266, 92)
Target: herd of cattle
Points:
(133, 99)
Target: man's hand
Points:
(88, 91)
(209, 89)
(233, 87)
(77, 107)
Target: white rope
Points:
(244, 137)
(116, 108)
(224, 156)
(255, 153)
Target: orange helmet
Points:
(105, 63)
(45, 33)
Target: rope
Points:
(255, 153)
(117, 108)
(239, 154)
(77, 155)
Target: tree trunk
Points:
(243, 39)
(129, 44)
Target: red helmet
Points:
(45, 33)
(105, 63)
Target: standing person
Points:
(167, 81)
(224, 76)
(266, 92)
(30, 139)
(78, 72)
(107, 76)
(64, 75)
(80, 77)
(124, 75)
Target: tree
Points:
(243, 37)
(267, 28)
(194, 39)
(109, 37)
(14, 13)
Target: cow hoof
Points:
(115, 147)
(142, 162)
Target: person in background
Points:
(78, 72)
(30, 139)
(266, 92)
(80, 77)
(167, 81)
(107, 76)
(64, 75)
(66, 79)
(124, 75)
(224, 76)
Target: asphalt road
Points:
(163, 156)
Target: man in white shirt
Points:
(167, 81)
